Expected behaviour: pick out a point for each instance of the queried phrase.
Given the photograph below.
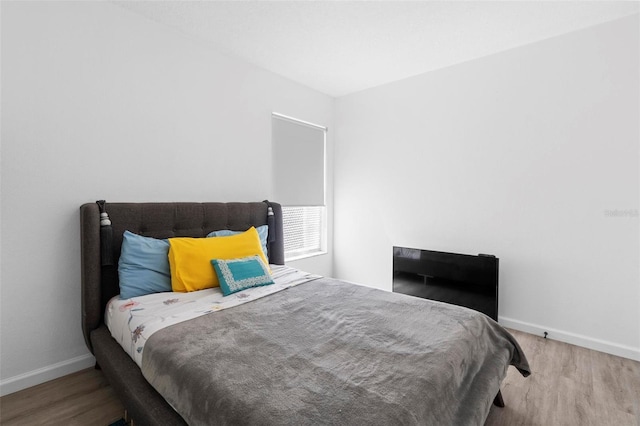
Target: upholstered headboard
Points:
(158, 220)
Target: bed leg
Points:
(498, 401)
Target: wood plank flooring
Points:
(569, 386)
(79, 399)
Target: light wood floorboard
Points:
(79, 399)
(569, 386)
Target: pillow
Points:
(190, 258)
(239, 274)
(143, 267)
(263, 233)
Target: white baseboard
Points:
(41, 375)
(572, 338)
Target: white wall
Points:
(100, 103)
(519, 154)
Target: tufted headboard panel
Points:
(158, 220)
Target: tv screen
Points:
(460, 279)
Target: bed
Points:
(318, 351)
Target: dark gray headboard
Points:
(158, 220)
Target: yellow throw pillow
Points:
(190, 258)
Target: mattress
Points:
(133, 321)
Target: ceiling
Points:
(341, 47)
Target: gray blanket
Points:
(332, 353)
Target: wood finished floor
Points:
(569, 386)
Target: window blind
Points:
(303, 230)
(298, 162)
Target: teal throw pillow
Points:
(239, 274)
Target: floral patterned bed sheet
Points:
(133, 321)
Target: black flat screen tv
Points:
(459, 279)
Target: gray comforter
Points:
(333, 353)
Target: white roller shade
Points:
(298, 162)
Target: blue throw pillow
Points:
(263, 233)
(144, 266)
(239, 274)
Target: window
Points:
(303, 230)
(299, 184)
